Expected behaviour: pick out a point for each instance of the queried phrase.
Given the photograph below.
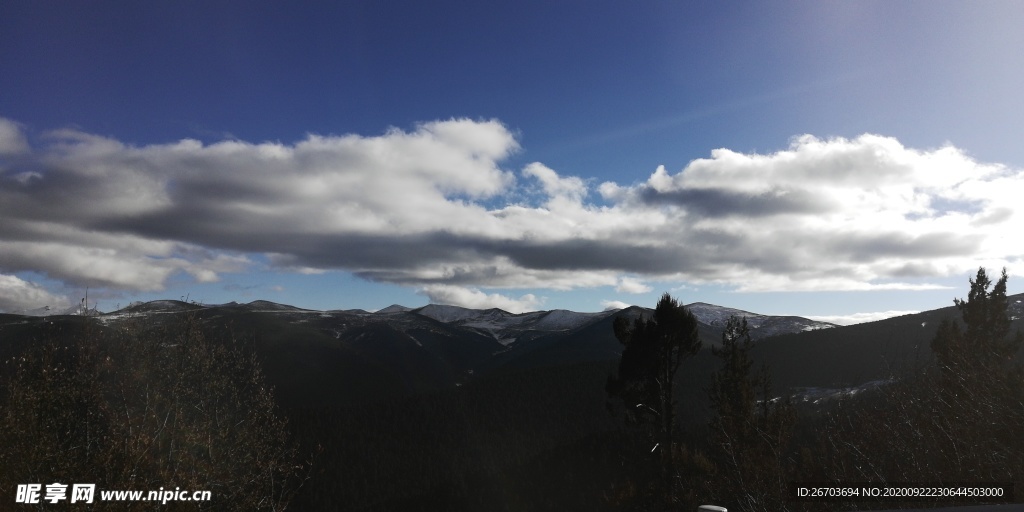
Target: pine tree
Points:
(653, 351)
(733, 388)
(751, 428)
(967, 356)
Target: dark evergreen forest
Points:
(273, 418)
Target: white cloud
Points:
(17, 294)
(475, 299)
(787, 283)
(554, 185)
(113, 266)
(12, 141)
(836, 214)
(609, 305)
(123, 262)
(859, 318)
(631, 285)
(430, 208)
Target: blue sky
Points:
(840, 160)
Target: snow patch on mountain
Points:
(445, 313)
(711, 314)
(561, 320)
(161, 306)
(819, 396)
(761, 326)
(507, 327)
(265, 306)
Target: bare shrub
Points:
(140, 408)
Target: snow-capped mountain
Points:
(449, 314)
(441, 344)
(418, 349)
(408, 350)
(500, 325)
(507, 327)
(761, 326)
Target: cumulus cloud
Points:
(555, 186)
(475, 299)
(859, 318)
(16, 294)
(432, 208)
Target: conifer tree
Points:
(968, 355)
(654, 349)
(733, 388)
(750, 428)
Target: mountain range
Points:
(400, 350)
(443, 345)
(435, 407)
(316, 357)
(500, 324)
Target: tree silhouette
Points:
(750, 428)
(733, 388)
(654, 349)
(967, 356)
(960, 423)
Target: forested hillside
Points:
(438, 410)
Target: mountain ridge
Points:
(554, 319)
(400, 350)
(319, 357)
